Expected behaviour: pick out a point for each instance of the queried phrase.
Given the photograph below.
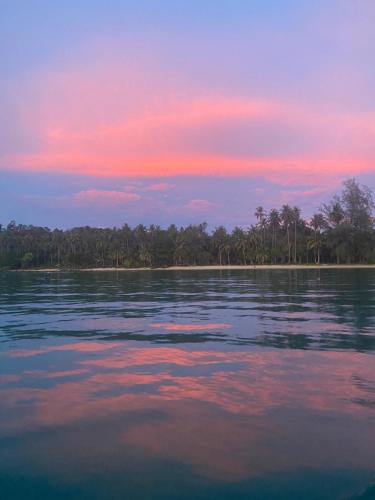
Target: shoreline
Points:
(202, 268)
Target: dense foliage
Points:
(342, 231)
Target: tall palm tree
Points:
(287, 218)
(220, 241)
(261, 216)
(239, 242)
(317, 224)
(274, 222)
(296, 213)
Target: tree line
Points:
(341, 231)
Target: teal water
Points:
(187, 385)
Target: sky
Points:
(172, 111)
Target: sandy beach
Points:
(207, 268)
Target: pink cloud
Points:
(294, 196)
(161, 186)
(114, 120)
(105, 197)
(199, 205)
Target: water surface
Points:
(192, 384)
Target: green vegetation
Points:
(342, 231)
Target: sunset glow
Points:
(152, 109)
(187, 249)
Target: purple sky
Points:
(177, 112)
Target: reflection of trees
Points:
(304, 309)
(344, 296)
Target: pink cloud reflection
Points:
(190, 327)
(222, 421)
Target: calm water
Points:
(187, 385)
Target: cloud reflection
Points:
(181, 327)
(220, 411)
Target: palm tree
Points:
(274, 222)
(317, 223)
(239, 242)
(296, 212)
(261, 216)
(220, 241)
(180, 249)
(255, 245)
(286, 218)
